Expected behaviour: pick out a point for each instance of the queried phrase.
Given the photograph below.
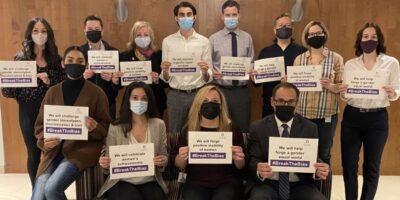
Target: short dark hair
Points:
(230, 3)
(125, 118)
(282, 16)
(286, 85)
(73, 48)
(381, 48)
(93, 18)
(184, 4)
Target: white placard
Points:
(18, 74)
(103, 61)
(365, 84)
(65, 122)
(135, 71)
(306, 78)
(135, 160)
(292, 154)
(210, 147)
(235, 68)
(269, 69)
(184, 63)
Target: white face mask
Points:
(143, 42)
(138, 107)
(39, 39)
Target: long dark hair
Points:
(125, 118)
(381, 48)
(50, 51)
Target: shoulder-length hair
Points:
(50, 52)
(305, 34)
(194, 117)
(135, 28)
(125, 118)
(381, 48)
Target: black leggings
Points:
(27, 117)
(127, 191)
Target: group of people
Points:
(204, 102)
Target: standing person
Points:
(209, 112)
(94, 33)
(184, 88)
(232, 41)
(141, 46)
(63, 161)
(39, 45)
(285, 46)
(365, 121)
(137, 124)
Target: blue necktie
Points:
(234, 53)
(284, 185)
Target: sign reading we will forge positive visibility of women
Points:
(210, 147)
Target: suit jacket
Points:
(158, 137)
(258, 145)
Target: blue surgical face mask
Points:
(138, 107)
(185, 23)
(231, 23)
(143, 42)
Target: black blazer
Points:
(258, 145)
(158, 89)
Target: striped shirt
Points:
(322, 104)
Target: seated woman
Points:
(63, 161)
(209, 112)
(137, 124)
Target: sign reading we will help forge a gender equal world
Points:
(103, 61)
(292, 154)
(365, 84)
(128, 161)
(65, 122)
(18, 74)
(269, 69)
(210, 147)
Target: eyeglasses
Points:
(281, 102)
(316, 34)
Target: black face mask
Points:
(210, 110)
(284, 113)
(74, 71)
(284, 32)
(316, 41)
(93, 36)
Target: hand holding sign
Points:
(322, 170)
(50, 143)
(264, 170)
(104, 162)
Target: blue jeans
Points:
(55, 180)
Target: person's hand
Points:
(203, 67)
(154, 77)
(115, 77)
(90, 124)
(217, 75)
(343, 88)
(322, 170)
(106, 76)
(165, 67)
(44, 77)
(326, 83)
(159, 160)
(252, 74)
(264, 170)
(284, 79)
(104, 162)
(237, 153)
(390, 91)
(50, 143)
(88, 74)
(184, 153)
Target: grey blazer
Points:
(158, 137)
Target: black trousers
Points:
(223, 192)
(369, 129)
(27, 117)
(127, 191)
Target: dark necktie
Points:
(234, 53)
(284, 185)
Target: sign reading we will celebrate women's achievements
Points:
(135, 71)
(103, 61)
(210, 147)
(365, 84)
(65, 122)
(306, 78)
(184, 63)
(235, 68)
(292, 154)
(18, 74)
(269, 69)
(135, 160)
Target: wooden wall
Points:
(343, 18)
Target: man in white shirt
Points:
(183, 88)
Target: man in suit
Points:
(264, 183)
(110, 86)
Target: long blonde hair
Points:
(194, 117)
(135, 28)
